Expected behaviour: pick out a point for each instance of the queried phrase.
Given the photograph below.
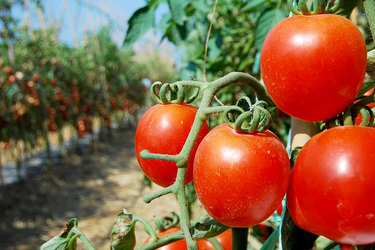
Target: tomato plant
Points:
(224, 239)
(240, 178)
(333, 184)
(311, 66)
(163, 129)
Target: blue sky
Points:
(78, 16)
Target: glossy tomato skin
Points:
(334, 184)
(241, 178)
(295, 209)
(163, 129)
(313, 66)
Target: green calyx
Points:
(176, 93)
(300, 7)
(248, 118)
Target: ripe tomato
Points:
(334, 184)
(313, 66)
(225, 240)
(163, 129)
(295, 209)
(241, 178)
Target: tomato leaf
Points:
(140, 22)
(61, 242)
(123, 232)
(214, 47)
(347, 8)
(272, 240)
(294, 155)
(56, 243)
(208, 229)
(268, 19)
(295, 238)
(201, 6)
(253, 4)
(177, 9)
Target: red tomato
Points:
(163, 129)
(313, 66)
(241, 178)
(295, 210)
(225, 240)
(334, 184)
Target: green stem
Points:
(85, 241)
(215, 244)
(239, 238)
(330, 246)
(148, 229)
(184, 208)
(369, 6)
(163, 241)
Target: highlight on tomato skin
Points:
(163, 129)
(334, 184)
(241, 178)
(311, 68)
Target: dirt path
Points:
(92, 188)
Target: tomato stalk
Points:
(177, 95)
(239, 238)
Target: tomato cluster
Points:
(312, 70)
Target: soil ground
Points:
(92, 187)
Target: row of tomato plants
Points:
(49, 86)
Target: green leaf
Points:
(146, 181)
(56, 243)
(272, 240)
(208, 229)
(269, 18)
(177, 9)
(140, 22)
(123, 232)
(214, 47)
(294, 155)
(347, 7)
(12, 90)
(188, 71)
(61, 242)
(253, 4)
(202, 6)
